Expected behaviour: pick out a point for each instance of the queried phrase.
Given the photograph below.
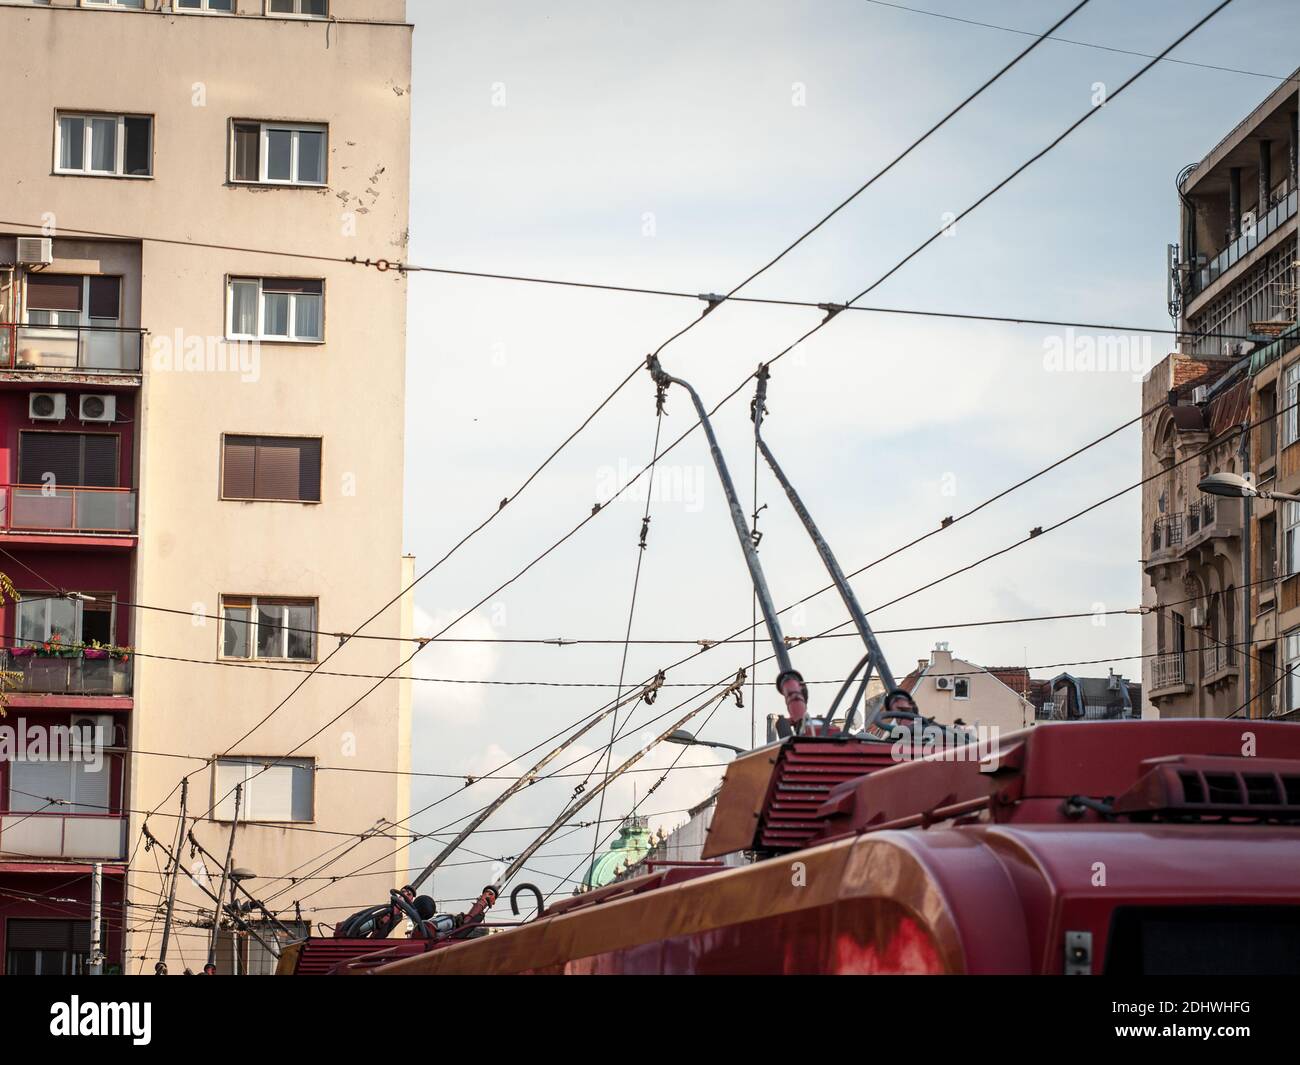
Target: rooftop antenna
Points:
(788, 682)
(874, 659)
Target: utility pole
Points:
(225, 873)
(97, 919)
(176, 875)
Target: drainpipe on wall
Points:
(1234, 203)
(1265, 177)
(1247, 639)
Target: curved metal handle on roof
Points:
(875, 655)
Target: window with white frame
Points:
(224, 6)
(260, 627)
(961, 688)
(274, 789)
(1290, 538)
(103, 145)
(275, 308)
(1290, 396)
(113, 3)
(1291, 686)
(278, 153)
(300, 8)
(66, 301)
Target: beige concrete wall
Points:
(194, 74)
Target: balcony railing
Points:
(1216, 657)
(1245, 244)
(91, 349)
(31, 835)
(41, 508)
(1167, 532)
(42, 675)
(1168, 671)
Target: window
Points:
(116, 145)
(113, 3)
(1267, 551)
(82, 784)
(1290, 396)
(276, 308)
(66, 301)
(275, 789)
(41, 617)
(1267, 421)
(282, 468)
(302, 8)
(961, 688)
(1290, 539)
(58, 460)
(41, 947)
(254, 627)
(278, 154)
(1291, 689)
(226, 6)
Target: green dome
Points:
(632, 845)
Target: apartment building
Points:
(201, 407)
(1222, 575)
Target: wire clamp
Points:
(713, 299)
(831, 309)
(645, 531)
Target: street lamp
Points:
(1235, 486)
(687, 739)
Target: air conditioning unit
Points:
(94, 729)
(47, 406)
(944, 684)
(1198, 617)
(35, 251)
(96, 408)
(1201, 394)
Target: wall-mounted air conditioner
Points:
(94, 729)
(1201, 394)
(35, 251)
(944, 684)
(47, 406)
(1198, 617)
(97, 408)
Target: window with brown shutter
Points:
(271, 467)
(68, 459)
(105, 297)
(54, 292)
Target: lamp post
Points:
(687, 739)
(1235, 486)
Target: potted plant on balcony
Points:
(57, 647)
(95, 650)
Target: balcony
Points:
(1209, 519)
(1218, 661)
(83, 349)
(42, 675)
(76, 836)
(1167, 532)
(1270, 223)
(1169, 674)
(41, 508)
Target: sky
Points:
(680, 146)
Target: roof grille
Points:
(1191, 787)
